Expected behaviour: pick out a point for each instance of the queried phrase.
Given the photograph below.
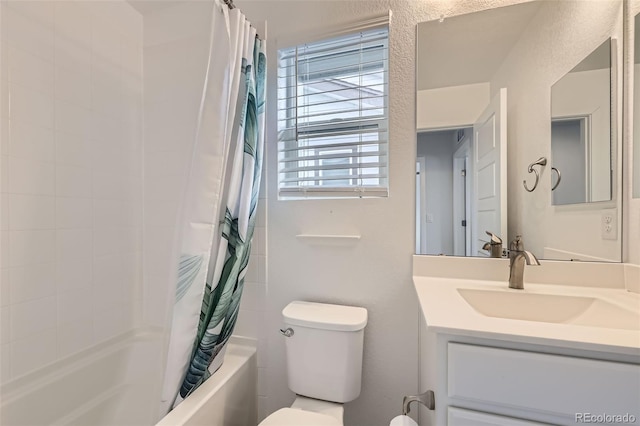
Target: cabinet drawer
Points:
(538, 382)
(461, 417)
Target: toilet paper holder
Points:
(428, 399)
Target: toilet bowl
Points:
(307, 412)
(324, 345)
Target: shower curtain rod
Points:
(230, 4)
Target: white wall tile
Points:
(31, 247)
(5, 362)
(72, 21)
(179, 22)
(73, 181)
(74, 213)
(75, 336)
(73, 84)
(38, 11)
(109, 323)
(75, 306)
(169, 124)
(256, 269)
(4, 122)
(73, 245)
(175, 69)
(31, 177)
(73, 275)
(24, 359)
(32, 282)
(73, 71)
(31, 106)
(108, 281)
(32, 317)
(5, 324)
(105, 46)
(4, 174)
(72, 149)
(73, 54)
(29, 33)
(5, 259)
(105, 128)
(4, 212)
(110, 186)
(31, 71)
(73, 119)
(31, 212)
(31, 142)
(4, 287)
(262, 381)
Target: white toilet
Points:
(324, 362)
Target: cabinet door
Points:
(541, 383)
(461, 417)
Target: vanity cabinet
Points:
(492, 382)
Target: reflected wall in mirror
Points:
(636, 108)
(581, 131)
(484, 84)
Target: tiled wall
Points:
(71, 121)
(176, 41)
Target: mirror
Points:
(581, 131)
(486, 82)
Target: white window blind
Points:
(333, 117)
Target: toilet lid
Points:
(295, 417)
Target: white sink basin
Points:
(550, 308)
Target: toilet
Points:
(324, 362)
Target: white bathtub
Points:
(228, 398)
(117, 383)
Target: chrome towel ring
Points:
(559, 178)
(542, 161)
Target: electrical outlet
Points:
(609, 227)
(429, 217)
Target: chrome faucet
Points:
(518, 256)
(494, 246)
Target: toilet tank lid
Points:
(325, 316)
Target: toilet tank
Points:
(324, 353)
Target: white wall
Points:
(631, 205)
(437, 148)
(447, 107)
(589, 93)
(71, 152)
(573, 30)
(376, 271)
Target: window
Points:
(332, 117)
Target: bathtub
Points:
(118, 383)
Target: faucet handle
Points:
(517, 244)
(494, 238)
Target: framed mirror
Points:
(487, 83)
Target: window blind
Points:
(333, 117)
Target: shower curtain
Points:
(219, 205)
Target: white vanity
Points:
(565, 350)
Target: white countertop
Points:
(446, 311)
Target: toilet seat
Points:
(297, 417)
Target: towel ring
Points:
(559, 178)
(542, 161)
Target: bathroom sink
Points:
(550, 308)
